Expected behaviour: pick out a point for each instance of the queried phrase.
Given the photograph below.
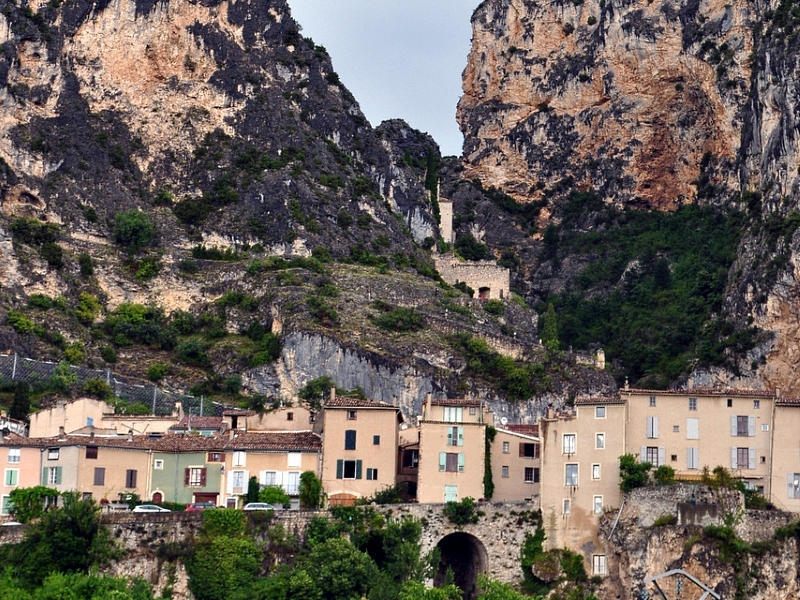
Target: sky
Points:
(399, 58)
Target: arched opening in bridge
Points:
(464, 555)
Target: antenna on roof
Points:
(503, 421)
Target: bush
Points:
(664, 475)
(400, 319)
(344, 219)
(665, 519)
(494, 307)
(133, 230)
(274, 494)
(33, 232)
(471, 249)
(193, 352)
(633, 474)
(108, 354)
(97, 388)
(88, 308)
(147, 268)
(19, 322)
(310, 490)
(40, 301)
(461, 513)
(157, 371)
(53, 254)
(29, 503)
(74, 353)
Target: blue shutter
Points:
(339, 469)
(44, 476)
(358, 469)
(450, 436)
(460, 436)
(58, 475)
(460, 462)
(442, 460)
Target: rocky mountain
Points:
(586, 111)
(189, 193)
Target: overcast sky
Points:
(399, 58)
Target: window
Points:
(506, 448)
(372, 474)
(455, 436)
(376, 440)
(692, 429)
(194, 477)
(130, 478)
(452, 462)
(290, 416)
(743, 426)
(158, 463)
(599, 412)
(764, 427)
(730, 403)
(453, 414)
(676, 429)
(597, 505)
(599, 564)
(350, 439)
(348, 469)
(352, 415)
(451, 493)
(599, 440)
(531, 475)
(651, 428)
(793, 485)
(13, 455)
(5, 505)
(270, 478)
(410, 459)
(293, 459)
(756, 404)
(566, 506)
(527, 450)
(595, 471)
(692, 403)
(12, 477)
(568, 443)
(52, 454)
(652, 400)
(504, 471)
(673, 457)
(571, 474)
(743, 458)
(216, 457)
(653, 455)
(472, 410)
(91, 452)
(239, 458)
(51, 476)
(238, 479)
(99, 476)
(293, 483)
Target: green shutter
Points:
(460, 462)
(450, 436)
(358, 469)
(442, 460)
(339, 469)
(44, 476)
(58, 475)
(460, 436)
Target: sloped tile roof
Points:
(527, 429)
(593, 400)
(199, 423)
(455, 402)
(276, 441)
(347, 402)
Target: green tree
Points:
(29, 503)
(252, 490)
(21, 403)
(632, 473)
(223, 566)
(494, 590)
(133, 230)
(69, 539)
(550, 328)
(272, 494)
(416, 590)
(340, 570)
(310, 490)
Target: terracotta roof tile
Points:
(346, 402)
(276, 441)
(702, 392)
(590, 400)
(455, 402)
(238, 412)
(532, 429)
(199, 423)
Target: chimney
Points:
(61, 434)
(426, 414)
(130, 435)
(231, 433)
(91, 435)
(394, 400)
(777, 392)
(333, 393)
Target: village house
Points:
(21, 461)
(516, 463)
(359, 447)
(452, 449)
(186, 468)
(283, 418)
(274, 458)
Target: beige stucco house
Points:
(516, 463)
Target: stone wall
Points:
(476, 274)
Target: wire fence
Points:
(38, 373)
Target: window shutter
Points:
(229, 482)
(460, 462)
(58, 475)
(751, 428)
(460, 436)
(751, 455)
(733, 458)
(643, 454)
(662, 456)
(522, 449)
(689, 458)
(655, 427)
(649, 427)
(692, 429)
(339, 469)
(186, 476)
(790, 485)
(733, 425)
(358, 469)
(133, 478)
(44, 476)
(450, 436)
(442, 460)
(203, 477)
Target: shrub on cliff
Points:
(133, 230)
(633, 474)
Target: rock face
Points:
(646, 103)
